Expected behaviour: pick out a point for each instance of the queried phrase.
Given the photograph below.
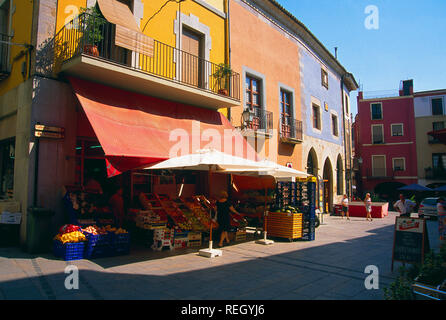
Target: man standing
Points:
(404, 206)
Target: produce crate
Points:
(285, 225)
(120, 249)
(69, 251)
(98, 246)
(192, 236)
(181, 234)
(180, 243)
(120, 243)
(240, 235)
(194, 243)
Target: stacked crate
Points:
(194, 239)
(285, 225)
(307, 205)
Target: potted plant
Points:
(222, 75)
(92, 22)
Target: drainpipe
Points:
(228, 43)
(345, 138)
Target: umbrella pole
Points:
(210, 252)
(210, 233)
(265, 218)
(265, 241)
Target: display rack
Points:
(300, 194)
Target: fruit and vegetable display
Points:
(68, 228)
(95, 230)
(199, 207)
(286, 209)
(71, 237)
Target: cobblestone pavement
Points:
(331, 267)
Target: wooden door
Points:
(327, 196)
(191, 61)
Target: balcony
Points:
(4, 56)
(290, 130)
(435, 173)
(86, 48)
(260, 123)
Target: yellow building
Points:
(161, 52)
(430, 116)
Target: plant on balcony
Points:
(92, 23)
(221, 76)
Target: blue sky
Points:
(410, 42)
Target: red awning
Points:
(135, 130)
(440, 135)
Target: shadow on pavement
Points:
(332, 271)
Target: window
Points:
(439, 161)
(316, 117)
(4, 39)
(438, 125)
(4, 17)
(90, 161)
(253, 93)
(377, 112)
(437, 106)
(379, 166)
(377, 134)
(324, 78)
(397, 130)
(285, 107)
(399, 164)
(286, 113)
(347, 102)
(334, 125)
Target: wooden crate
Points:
(285, 225)
(194, 243)
(240, 236)
(194, 236)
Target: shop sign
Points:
(42, 131)
(410, 240)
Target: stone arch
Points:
(312, 163)
(327, 175)
(339, 176)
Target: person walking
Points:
(345, 207)
(368, 206)
(224, 207)
(404, 206)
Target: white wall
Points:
(423, 107)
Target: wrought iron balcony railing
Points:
(95, 36)
(290, 129)
(435, 173)
(4, 56)
(262, 120)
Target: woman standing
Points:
(345, 207)
(224, 207)
(368, 206)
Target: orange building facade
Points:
(270, 85)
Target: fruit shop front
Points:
(113, 200)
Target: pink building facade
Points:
(385, 143)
